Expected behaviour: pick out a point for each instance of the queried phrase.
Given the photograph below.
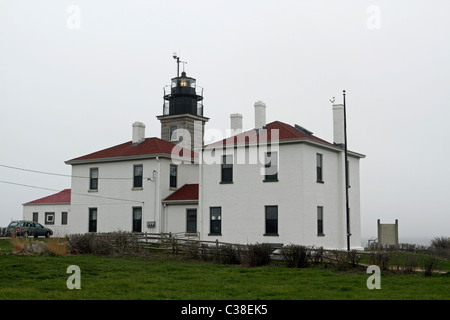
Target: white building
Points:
(52, 211)
(276, 183)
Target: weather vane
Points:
(176, 57)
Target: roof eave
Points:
(129, 158)
(180, 201)
(317, 143)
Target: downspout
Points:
(200, 193)
(157, 195)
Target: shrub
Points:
(409, 262)
(103, 243)
(346, 259)
(430, 263)
(440, 246)
(381, 259)
(227, 254)
(193, 248)
(296, 256)
(57, 246)
(317, 255)
(258, 254)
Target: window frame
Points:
(320, 220)
(92, 227)
(226, 169)
(192, 223)
(48, 221)
(173, 134)
(64, 218)
(138, 178)
(173, 178)
(271, 220)
(319, 168)
(211, 232)
(136, 222)
(93, 182)
(268, 163)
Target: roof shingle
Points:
(285, 132)
(147, 147)
(186, 192)
(62, 197)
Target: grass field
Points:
(163, 276)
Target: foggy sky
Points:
(73, 84)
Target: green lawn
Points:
(162, 276)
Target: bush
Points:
(346, 259)
(258, 254)
(103, 243)
(228, 254)
(296, 256)
(409, 262)
(440, 246)
(430, 263)
(381, 259)
(317, 255)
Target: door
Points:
(191, 220)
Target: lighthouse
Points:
(182, 121)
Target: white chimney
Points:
(260, 114)
(236, 123)
(138, 132)
(338, 124)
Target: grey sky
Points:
(68, 92)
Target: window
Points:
(227, 169)
(93, 179)
(173, 176)
(49, 218)
(191, 220)
(271, 220)
(319, 160)
(63, 218)
(173, 134)
(92, 219)
(35, 216)
(320, 221)
(137, 176)
(271, 166)
(215, 220)
(137, 219)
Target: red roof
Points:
(62, 197)
(186, 192)
(285, 132)
(147, 147)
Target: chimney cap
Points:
(260, 103)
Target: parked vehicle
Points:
(26, 228)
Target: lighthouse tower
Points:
(182, 121)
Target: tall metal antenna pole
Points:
(178, 67)
(346, 176)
